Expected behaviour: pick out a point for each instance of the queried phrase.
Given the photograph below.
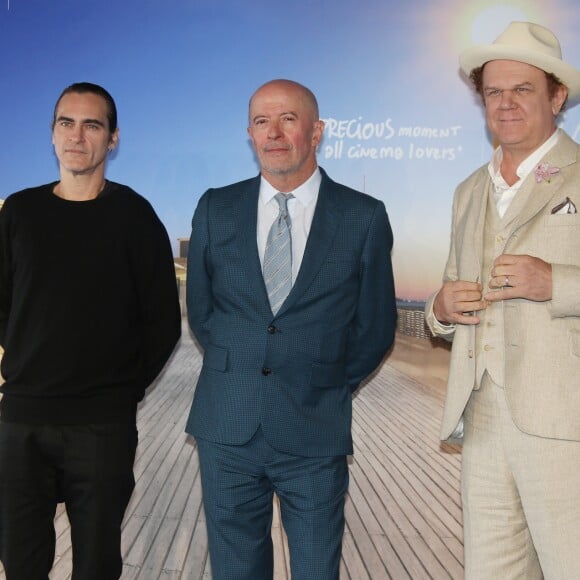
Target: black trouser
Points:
(90, 468)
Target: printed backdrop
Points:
(401, 122)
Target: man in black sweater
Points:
(89, 315)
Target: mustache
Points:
(276, 146)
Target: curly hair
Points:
(476, 77)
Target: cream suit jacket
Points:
(542, 339)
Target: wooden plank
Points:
(364, 504)
(423, 510)
(361, 543)
(403, 509)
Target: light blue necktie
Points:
(277, 267)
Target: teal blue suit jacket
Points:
(293, 374)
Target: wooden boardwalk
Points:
(403, 512)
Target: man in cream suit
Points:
(290, 293)
(510, 301)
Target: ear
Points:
(251, 136)
(317, 133)
(114, 140)
(559, 99)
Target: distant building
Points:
(180, 263)
(183, 247)
(411, 319)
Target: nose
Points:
(77, 133)
(274, 130)
(507, 99)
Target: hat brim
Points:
(477, 56)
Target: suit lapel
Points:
(470, 269)
(535, 196)
(247, 225)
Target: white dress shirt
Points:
(301, 210)
(504, 193)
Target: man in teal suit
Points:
(273, 404)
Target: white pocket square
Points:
(567, 206)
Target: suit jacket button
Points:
(266, 371)
(272, 330)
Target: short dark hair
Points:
(476, 77)
(97, 90)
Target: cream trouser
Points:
(521, 496)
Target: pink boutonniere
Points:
(544, 172)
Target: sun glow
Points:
(450, 26)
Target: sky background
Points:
(182, 72)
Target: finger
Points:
(468, 308)
(467, 318)
(497, 295)
(467, 297)
(464, 286)
(480, 305)
(505, 260)
(503, 281)
(500, 271)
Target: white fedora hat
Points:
(529, 43)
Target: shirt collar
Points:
(305, 193)
(526, 166)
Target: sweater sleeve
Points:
(158, 297)
(5, 273)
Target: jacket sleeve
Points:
(450, 274)
(437, 329)
(199, 291)
(565, 295)
(373, 329)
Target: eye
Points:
(63, 123)
(522, 90)
(259, 122)
(92, 127)
(491, 93)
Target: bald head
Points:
(304, 94)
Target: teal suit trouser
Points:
(238, 486)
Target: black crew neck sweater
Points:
(88, 305)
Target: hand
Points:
(520, 277)
(457, 302)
